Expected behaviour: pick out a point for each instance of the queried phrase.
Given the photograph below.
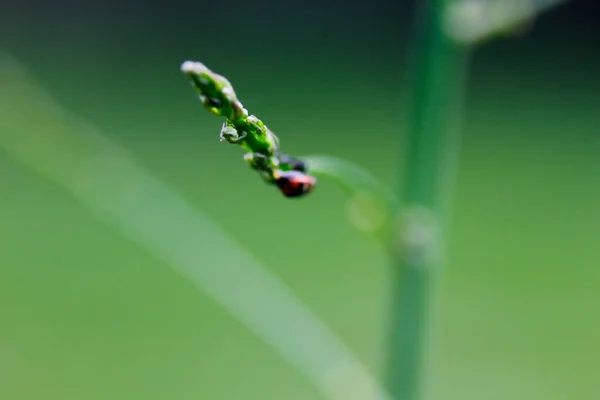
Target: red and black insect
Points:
(294, 183)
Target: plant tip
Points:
(192, 67)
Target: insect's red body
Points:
(295, 183)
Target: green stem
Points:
(431, 156)
(370, 203)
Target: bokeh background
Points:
(86, 313)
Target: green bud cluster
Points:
(262, 145)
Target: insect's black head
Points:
(291, 163)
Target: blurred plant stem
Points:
(431, 153)
(439, 76)
(370, 203)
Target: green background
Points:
(87, 314)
